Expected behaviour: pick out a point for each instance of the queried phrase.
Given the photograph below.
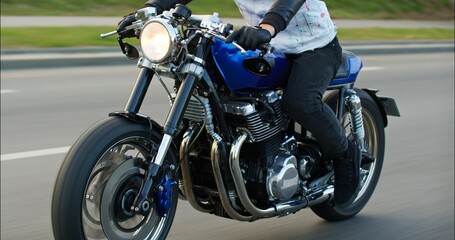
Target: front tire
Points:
(369, 173)
(99, 179)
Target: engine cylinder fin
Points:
(194, 111)
(262, 122)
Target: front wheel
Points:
(369, 173)
(100, 178)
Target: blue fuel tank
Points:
(230, 62)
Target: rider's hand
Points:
(125, 22)
(250, 37)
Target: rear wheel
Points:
(370, 172)
(100, 178)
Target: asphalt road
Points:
(48, 109)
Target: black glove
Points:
(250, 38)
(125, 22)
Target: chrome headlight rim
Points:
(173, 38)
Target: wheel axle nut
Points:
(145, 206)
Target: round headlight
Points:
(158, 39)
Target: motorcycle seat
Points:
(343, 71)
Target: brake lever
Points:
(265, 48)
(240, 48)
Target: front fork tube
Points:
(139, 90)
(171, 126)
(137, 97)
(155, 171)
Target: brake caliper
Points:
(164, 195)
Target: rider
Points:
(304, 31)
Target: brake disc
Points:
(118, 220)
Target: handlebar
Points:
(105, 35)
(225, 29)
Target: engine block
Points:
(269, 171)
(260, 114)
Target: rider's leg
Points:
(311, 73)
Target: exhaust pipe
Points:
(323, 194)
(215, 157)
(279, 209)
(186, 173)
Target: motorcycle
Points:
(226, 147)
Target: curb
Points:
(112, 56)
(62, 57)
(399, 47)
(59, 63)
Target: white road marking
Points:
(36, 153)
(5, 91)
(372, 68)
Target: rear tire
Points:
(101, 175)
(374, 140)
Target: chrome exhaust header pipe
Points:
(186, 173)
(280, 209)
(323, 194)
(215, 157)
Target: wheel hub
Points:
(125, 204)
(119, 221)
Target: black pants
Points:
(310, 76)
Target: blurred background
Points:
(413, 17)
(58, 78)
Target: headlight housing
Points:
(159, 40)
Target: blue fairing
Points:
(229, 61)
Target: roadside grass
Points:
(59, 37)
(226, 8)
(352, 9)
(395, 34)
(54, 37)
(397, 9)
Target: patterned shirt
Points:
(310, 28)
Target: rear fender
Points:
(387, 105)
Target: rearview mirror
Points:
(130, 51)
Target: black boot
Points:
(347, 175)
